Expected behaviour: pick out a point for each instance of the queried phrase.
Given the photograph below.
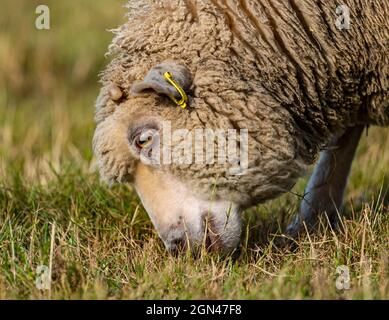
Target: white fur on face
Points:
(181, 218)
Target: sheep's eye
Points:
(144, 140)
(144, 137)
(144, 143)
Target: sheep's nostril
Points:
(212, 240)
(177, 245)
(179, 242)
(208, 241)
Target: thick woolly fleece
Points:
(279, 68)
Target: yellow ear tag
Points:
(184, 98)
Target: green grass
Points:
(99, 241)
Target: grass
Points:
(99, 241)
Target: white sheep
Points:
(281, 70)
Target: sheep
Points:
(282, 70)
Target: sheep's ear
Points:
(156, 81)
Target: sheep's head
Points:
(194, 169)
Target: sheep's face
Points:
(193, 176)
(145, 142)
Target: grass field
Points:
(97, 241)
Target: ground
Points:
(98, 241)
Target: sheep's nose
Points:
(176, 245)
(179, 245)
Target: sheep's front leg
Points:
(326, 187)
